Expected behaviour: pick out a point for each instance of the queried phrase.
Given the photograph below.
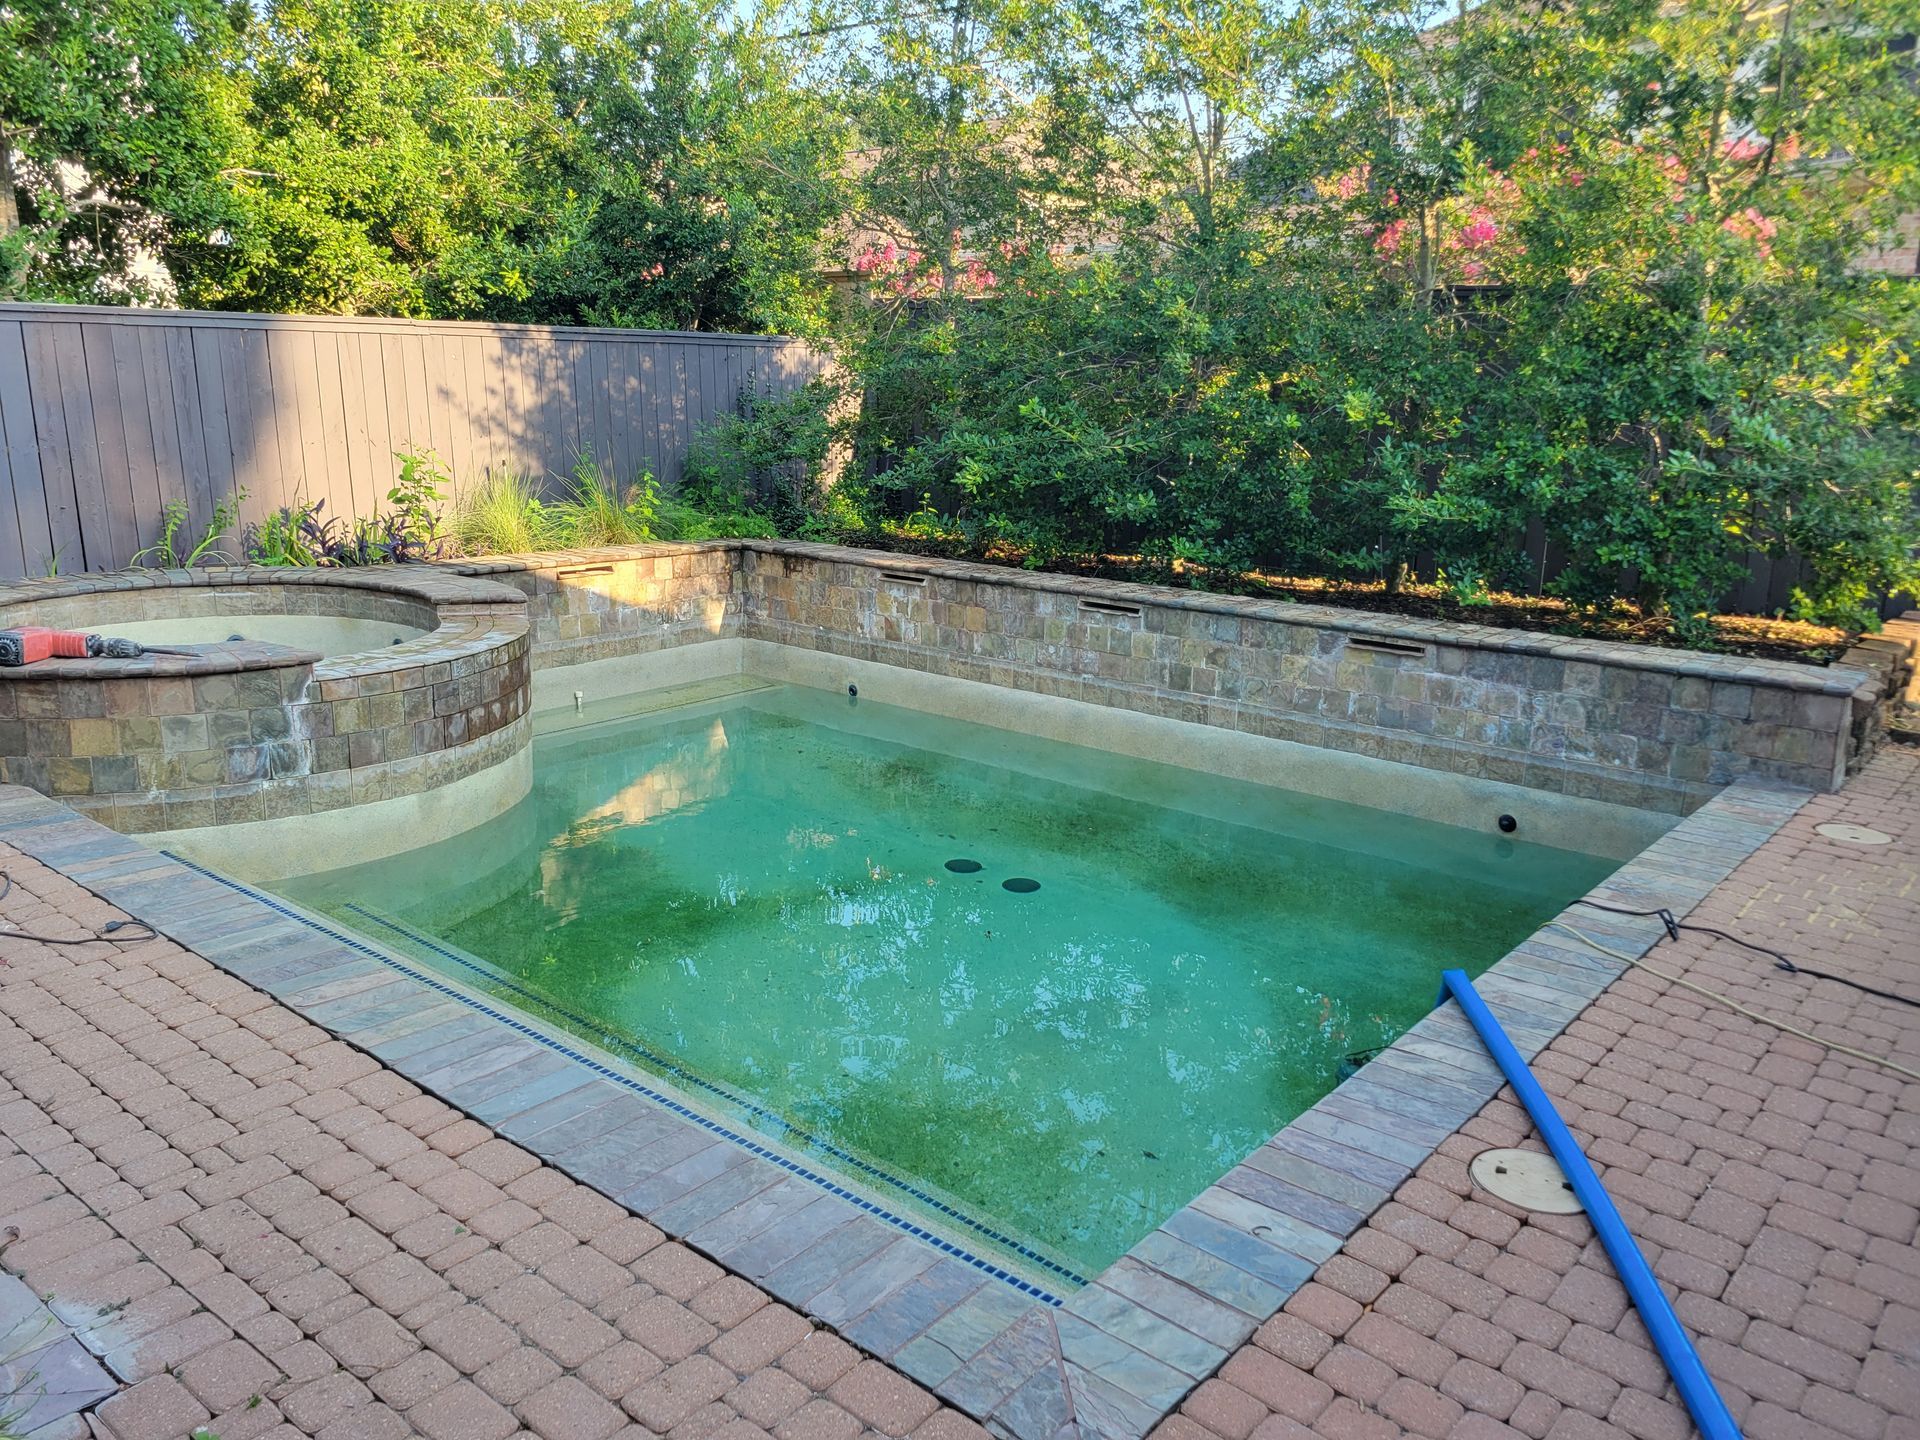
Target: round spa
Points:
(278, 710)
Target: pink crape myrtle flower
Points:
(1750, 224)
(1481, 232)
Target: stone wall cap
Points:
(221, 658)
(430, 583)
(1772, 674)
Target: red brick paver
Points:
(268, 1234)
(1773, 1185)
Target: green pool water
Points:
(755, 891)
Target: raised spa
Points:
(796, 908)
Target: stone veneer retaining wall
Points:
(589, 605)
(252, 731)
(1656, 729)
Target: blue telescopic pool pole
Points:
(1682, 1360)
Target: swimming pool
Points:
(803, 910)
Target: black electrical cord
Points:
(106, 933)
(1780, 962)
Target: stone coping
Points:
(435, 583)
(1824, 680)
(1113, 1358)
(482, 565)
(225, 658)
(1828, 680)
(452, 602)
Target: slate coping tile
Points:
(862, 1286)
(820, 1264)
(732, 1228)
(731, 1187)
(511, 1090)
(1098, 1327)
(761, 1255)
(524, 1114)
(913, 1308)
(1281, 1269)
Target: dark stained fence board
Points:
(97, 434)
(107, 414)
(27, 540)
(46, 387)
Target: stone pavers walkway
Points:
(1774, 1185)
(269, 1234)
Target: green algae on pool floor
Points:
(757, 891)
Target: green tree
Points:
(697, 181)
(114, 126)
(386, 155)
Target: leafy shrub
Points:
(771, 457)
(411, 529)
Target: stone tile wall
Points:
(253, 731)
(1659, 729)
(587, 605)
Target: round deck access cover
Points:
(1526, 1178)
(1853, 834)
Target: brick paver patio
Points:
(1773, 1185)
(270, 1234)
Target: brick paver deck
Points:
(271, 1235)
(268, 1233)
(1774, 1186)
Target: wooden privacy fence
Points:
(106, 414)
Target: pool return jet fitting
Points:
(1690, 1377)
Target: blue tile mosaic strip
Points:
(665, 1101)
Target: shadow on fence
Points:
(107, 414)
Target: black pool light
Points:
(964, 867)
(1020, 885)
